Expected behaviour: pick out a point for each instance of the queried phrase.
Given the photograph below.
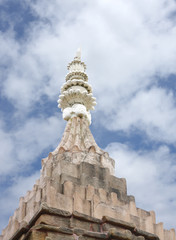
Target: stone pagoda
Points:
(77, 196)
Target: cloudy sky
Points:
(129, 47)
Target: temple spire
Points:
(76, 99)
(78, 54)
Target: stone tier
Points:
(56, 224)
(88, 190)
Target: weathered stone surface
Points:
(86, 225)
(116, 212)
(37, 235)
(65, 177)
(117, 222)
(147, 235)
(22, 209)
(58, 200)
(48, 238)
(54, 211)
(90, 190)
(159, 230)
(114, 234)
(139, 238)
(79, 231)
(85, 238)
(118, 183)
(85, 217)
(77, 129)
(60, 236)
(95, 235)
(68, 188)
(136, 221)
(53, 220)
(80, 205)
(106, 226)
(51, 228)
(19, 233)
(94, 175)
(60, 223)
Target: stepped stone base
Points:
(56, 224)
(81, 201)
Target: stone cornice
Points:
(116, 229)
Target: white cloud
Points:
(6, 160)
(125, 43)
(150, 178)
(22, 146)
(152, 111)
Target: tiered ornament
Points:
(76, 99)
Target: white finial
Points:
(78, 54)
(76, 97)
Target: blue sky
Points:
(130, 51)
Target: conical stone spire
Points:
(76, 99)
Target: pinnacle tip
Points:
(78, 54)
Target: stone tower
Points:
(77, 196)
